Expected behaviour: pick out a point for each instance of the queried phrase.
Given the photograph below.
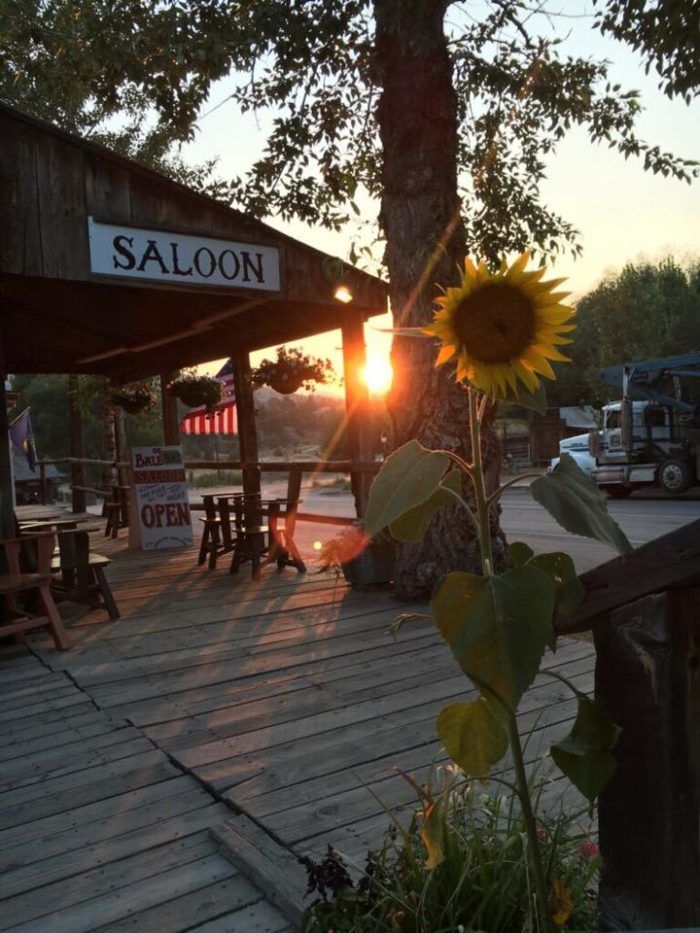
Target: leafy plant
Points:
(500, 329)
(195, 390)
(482, 882)
(352, 551)
(291, 370)
(134, 397)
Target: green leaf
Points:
(520, 553)
(473, 736)
(576, 503)
(589, 773)
(408, 477)
(414, 524)
(560, 569)
(584, 755)
(536, 401)
(497, 627)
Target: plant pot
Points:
(373, 566)
(134, 407)
(287, 386)
(192, 397)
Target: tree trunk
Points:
(420, 217)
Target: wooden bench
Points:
(34, 587)
(82, 574)
(116, 510)
(264, 543)
(216, 530)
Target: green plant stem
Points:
(501, 489)
(476, 412)
(477, 475)
(530, 823)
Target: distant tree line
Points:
(645, 311)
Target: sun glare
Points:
(378, 374)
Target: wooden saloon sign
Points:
(179, 259)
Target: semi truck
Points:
(652, 435)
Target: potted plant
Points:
(291, 370)
(364, 561)
(195, 390)
(134, 397)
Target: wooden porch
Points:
(282, 707)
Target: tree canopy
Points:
(136, 76)
(645, 311)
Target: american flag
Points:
(224, 419)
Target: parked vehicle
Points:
(651, 436)
(578, 448)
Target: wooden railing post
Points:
(357, 406)
(171, 424)
(42, 483)
(247, 430)
(648, 678)
(77, 470)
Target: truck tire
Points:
(617, 491)
(675, 476)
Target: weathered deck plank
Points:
(286, 696)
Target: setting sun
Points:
(378, 374)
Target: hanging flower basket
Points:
(134, 398)
(195, 391)
(286, 385)
(291, 371)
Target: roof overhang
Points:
(108, 267)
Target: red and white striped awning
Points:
(223, 420)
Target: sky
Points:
(622, 212)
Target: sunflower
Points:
(502, 326)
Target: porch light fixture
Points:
(343, 294)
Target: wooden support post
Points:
(648, 678)
(7, 505)
(171, 423)
(77, 470)
(247, 430)
(357, 407)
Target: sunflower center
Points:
(496, 323)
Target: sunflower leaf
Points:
(497, 627)
(520, 553)
(406, 480)
(576, 503)
(584, 754)
(559, 567)
(411, 526)
(473, 736)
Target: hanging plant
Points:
(134, 397)
(195, 390)
(292, 370)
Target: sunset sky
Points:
(622, 212)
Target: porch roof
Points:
(83, 288)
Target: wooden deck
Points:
(283, 700)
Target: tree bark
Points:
(420, 217)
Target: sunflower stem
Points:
(477, 474)
(515, 479)
(476, 411)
